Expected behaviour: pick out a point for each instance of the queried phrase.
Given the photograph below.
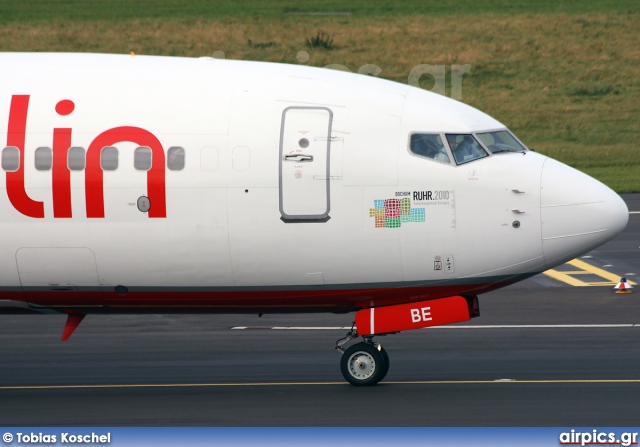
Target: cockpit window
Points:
(430, 146)
(465, 148)
(500, 141)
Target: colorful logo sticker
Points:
(392, 213)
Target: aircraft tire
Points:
(385, 356)
(363, 365)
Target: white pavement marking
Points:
(536, 326)
(507, 326)
(295, 328)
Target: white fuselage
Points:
(293, 194)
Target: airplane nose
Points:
(578, 213)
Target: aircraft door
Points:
(305, 144)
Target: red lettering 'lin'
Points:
(16, 135)
(94, 181)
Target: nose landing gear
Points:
(365, 363)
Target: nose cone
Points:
(578, 213)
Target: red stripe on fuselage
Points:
(190, 301)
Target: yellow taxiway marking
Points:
(261, 384)
(584, 268)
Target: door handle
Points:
(298, 158)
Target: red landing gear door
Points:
(405, 317)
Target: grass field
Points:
(117, 10)
(563, 75)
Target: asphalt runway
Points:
(543, 353)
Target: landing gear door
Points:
(305, 144)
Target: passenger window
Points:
(44, 159)
(430, 146)
(75, 159)
(142, 158)
(465, 148)
(11, 159)
(109, 158)
(175, 158)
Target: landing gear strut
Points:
(365, 363)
